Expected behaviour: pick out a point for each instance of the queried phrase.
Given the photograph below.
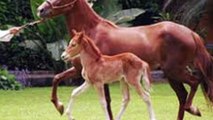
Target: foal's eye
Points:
(73, 45)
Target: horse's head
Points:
(51, 8)
(74, 46)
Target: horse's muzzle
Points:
(43, 13)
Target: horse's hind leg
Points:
(184, 102)
(181, 94)
(188, 106)
(176, 73)
(126, 98)
(193, 82)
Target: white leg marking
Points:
(146, 97)
(126, 98)
(77, 91)
(100, 90)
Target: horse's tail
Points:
(204, 62)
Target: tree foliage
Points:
(8, 81)
(17, 13)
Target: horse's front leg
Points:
(57, 79)
(74, 94)
(108, 100)
(100, 89)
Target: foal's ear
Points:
(81, 35)
(83, 32)
(74, 32)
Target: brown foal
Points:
(99, 69)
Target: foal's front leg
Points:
(100, 89)
(74, 94)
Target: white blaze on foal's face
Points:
(74, 46)
(72, 50)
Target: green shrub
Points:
(8, 81)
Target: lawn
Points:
(34, 104)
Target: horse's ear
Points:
(74, 32)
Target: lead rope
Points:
(6, 35)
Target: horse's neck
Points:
(81, 17)
(89, 53)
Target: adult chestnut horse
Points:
(166, 44)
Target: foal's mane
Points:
(88, 42)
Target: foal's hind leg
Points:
(134, 80)
(126, 98)
(146, 97)
(100, 89)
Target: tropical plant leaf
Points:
(127, 15)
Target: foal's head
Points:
(74, 46)
(51, 8)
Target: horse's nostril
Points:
(41, 10)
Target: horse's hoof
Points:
(194, 111)
(60, 108)
(198, 113)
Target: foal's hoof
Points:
(71, 118)
(60, 108)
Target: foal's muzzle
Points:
(65, 56)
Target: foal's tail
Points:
(146, 77)
(204, 62)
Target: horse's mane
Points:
(85, 6)
(110, 23)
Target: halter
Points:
(70, 4)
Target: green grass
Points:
(34, 104)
